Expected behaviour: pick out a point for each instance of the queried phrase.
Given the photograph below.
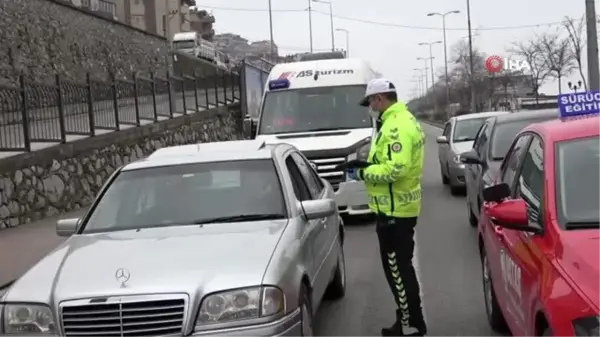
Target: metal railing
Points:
(50, 112)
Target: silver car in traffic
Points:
(227, 238)
(457, 137)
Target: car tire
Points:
(445, 179)
(492, 309)
(472, 218)
(306, 313)
(456, 190)
(337, 287)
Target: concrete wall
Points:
(67, 177)
(42, 37)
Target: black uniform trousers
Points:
(396, 243)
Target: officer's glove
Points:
(353, 174)
(352, 164)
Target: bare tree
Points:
(558, 56)
(575, 31)
(532, 53)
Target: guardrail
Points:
(48, 112)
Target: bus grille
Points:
(326, 170)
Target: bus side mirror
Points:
(249, 128)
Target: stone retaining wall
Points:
(40, 38)
(67, 177)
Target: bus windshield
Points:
(184, 44)
(314, 109)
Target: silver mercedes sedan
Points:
(228, 238)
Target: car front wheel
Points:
(445, 179)
(306, 314)
(337, 287)
(492, 309)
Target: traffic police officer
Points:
(393, 180)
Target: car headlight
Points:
(588, 326)
(26, 319)
(240, 304)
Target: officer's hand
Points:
(353, 174)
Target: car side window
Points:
(480, 139)
(446, 132)
(511, 161)
(315, 186)
(530, 184)
(300, 189)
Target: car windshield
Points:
(466, 130)
(577, 181)
(504, 134)
(312, 109)
(188, 194)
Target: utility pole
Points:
(592, 45)
(271, 31)
(310, 25)
(471, 67)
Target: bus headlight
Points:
(363, 152)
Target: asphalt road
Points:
(45, 124)
(447, 260)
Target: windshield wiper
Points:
(583, 224)
(465, 139)
(325, 129)
(240, 217)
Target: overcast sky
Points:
(393, 51)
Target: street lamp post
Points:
(310, 25)
(471, 67)
(423, 78)
(443, 15)
(430, 44)
(331, 21)
(418, 82)
(426, 68)
(345, 31)
(271, 30)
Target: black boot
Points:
(396, 329)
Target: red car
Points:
(539, 232)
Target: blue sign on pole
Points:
(579, 104)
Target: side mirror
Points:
(441, 140)
(511, 214)
(67, 227)
(317, 209)
(496, 193)
(470, 157)
(249, 127)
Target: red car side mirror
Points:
(511, 214)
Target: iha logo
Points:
(497, 64)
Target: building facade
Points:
(202, 22)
